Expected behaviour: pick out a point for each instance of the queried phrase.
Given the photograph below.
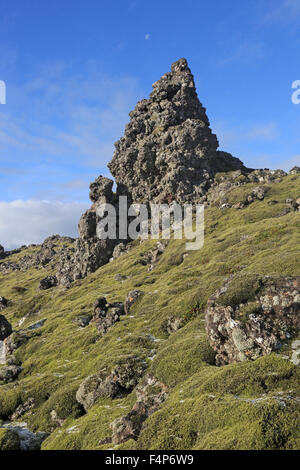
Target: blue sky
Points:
(74, 69)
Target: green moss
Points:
(241, 289)
(202, 410)
(9, 440)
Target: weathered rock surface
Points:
(26, 439)
(121, 381)
(9, 373)
(3, 303)
(151, 258)
(17, 339)
(5, 328)
(168, 151)
(22, 409)
(48, 253)
(252, 316)
(82, 320)
(91, 252)
(47, 283)
(131, 299)
(172, 324)
(106, 314)
(151, 393)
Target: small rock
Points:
(48, 282)
(9, 373)
(151, 393)
(121, 381)
(131, 299)
(82, 320)
(3, 303)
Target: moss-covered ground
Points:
(250, 405)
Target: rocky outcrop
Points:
(168, 152)
(48, 253)
(252, 315)
(91, 252)
(150, 394)
(121, 381)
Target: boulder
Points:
(252, 315)
(151, 393)
(116, 384)
(48, 282)
(82, 320)
(131, 298)
(9, 373)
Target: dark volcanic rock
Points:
(10, 373)
(106, 314)
(168, 151)
(150, 395)
(117, 384)
(2, 252)
(252, 315)
(48, 282)
(91, 252)
(5, 328)
(3, 303)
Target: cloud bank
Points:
(26, 222)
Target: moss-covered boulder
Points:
(252, 315)
(9, 439)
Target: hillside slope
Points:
(191, 403)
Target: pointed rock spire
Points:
(168, 151)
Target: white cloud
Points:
(147, 36)
(26, 222)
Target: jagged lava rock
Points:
(5, 328)
(168, 151)
(150, 394)
(252, 315)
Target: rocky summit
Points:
(168, 151)
(142, 344)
